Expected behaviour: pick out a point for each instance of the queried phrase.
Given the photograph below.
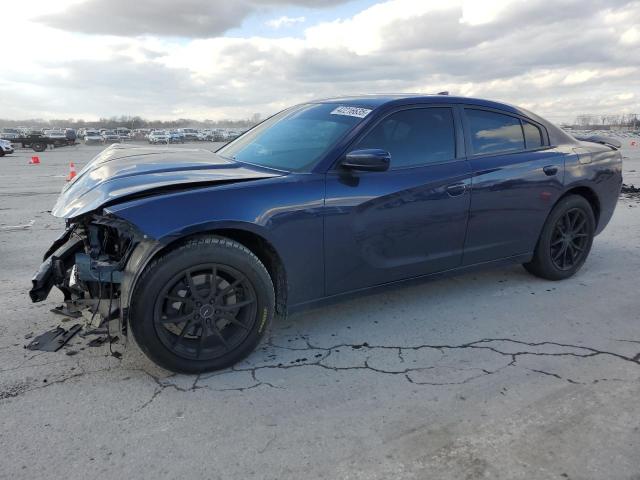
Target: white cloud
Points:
(284, 21)
(631, 36)
(187, 18)
(486, 11)
(363, 33)
(580, 76)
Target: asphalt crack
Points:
(498, 346)
(424, 364)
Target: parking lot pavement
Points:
(487, 375)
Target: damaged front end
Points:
(97, 261)
(88, 264)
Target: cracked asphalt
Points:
(493, 374)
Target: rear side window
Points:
(414, 137)
(493, 132)
(532, 135)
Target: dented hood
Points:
(124, 171)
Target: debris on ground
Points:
(94, 331)
(97, 342)
(53, 340)
(65, 311)
(9, 228)
(630, 191)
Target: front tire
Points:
(565, 241)
(203, 306)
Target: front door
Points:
(409, 221)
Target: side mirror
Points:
(369, 160)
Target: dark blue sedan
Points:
(197, 251)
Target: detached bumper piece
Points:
(53, 270)
(53, 340)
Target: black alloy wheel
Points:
(205, 312)
(569, 239)
(565, 241)
(203, 305)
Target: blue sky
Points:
(256, 25)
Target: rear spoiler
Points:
(608, 141)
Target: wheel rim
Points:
(569, 239)
(205, 312)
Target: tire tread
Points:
(191, 244)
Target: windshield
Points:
(295, 139)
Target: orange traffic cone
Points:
(72, 172)
(35, 160)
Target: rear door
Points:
(517, 177)
(408, 221)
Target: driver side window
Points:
(414, 137)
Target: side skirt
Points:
(299, 307)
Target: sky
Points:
(222, 59)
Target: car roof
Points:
(391, 99)
(375, 101)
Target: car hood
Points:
(121, 172)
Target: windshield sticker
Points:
(351, 111)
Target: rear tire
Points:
(203, 306)
(565, 241)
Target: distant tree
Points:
(129, 121)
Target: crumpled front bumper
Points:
(85, 275)
(53, 269)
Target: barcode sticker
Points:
(351, 111)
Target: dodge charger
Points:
(196, 252)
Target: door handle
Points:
(456, 189)
(550, 170)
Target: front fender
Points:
(287, 212)
(143, 253)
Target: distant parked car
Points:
(6, 147)
(176, 137)
(58, 137)
(53, 133)
(124, 133)
(110, 136)
(140, 134)
(219, 135)
(158, 136)
(9, 133)
(92, 136)
(204, 136)
(189, 133)
(71, 135)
